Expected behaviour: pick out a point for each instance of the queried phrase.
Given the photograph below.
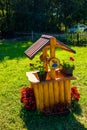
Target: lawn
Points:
(13, 67)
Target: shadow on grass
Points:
(11, 49)
(77, 109)
(35, 120)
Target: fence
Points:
(67, 38)
(73, 39)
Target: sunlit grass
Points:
(13, 67)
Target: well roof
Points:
(43, 41)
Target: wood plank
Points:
(61, 91)
(36, 93)
(67, 90)
(51, 94)
(33, 77)
(56, 92)
(52, 55)
(40, 91)
(46, 95)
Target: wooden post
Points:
(61, 91)
(40, 88)
(51, 94)
(45, 55)
(36, 93)
(67, 91)
(52, 55)
(56, 92)
(46, 95)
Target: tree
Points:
(41, 16)
(6, 21)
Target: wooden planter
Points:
(50, 92)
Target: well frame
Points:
(57, 86)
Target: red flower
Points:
(71, 58)
(31, 64)
(27, 98)
(75, 95)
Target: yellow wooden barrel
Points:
(51, 92)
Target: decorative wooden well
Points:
(56, 88)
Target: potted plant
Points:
(41, 73)
(40, 70)
(68, 67)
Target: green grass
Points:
(13, 67)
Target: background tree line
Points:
(41, 15)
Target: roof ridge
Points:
(46, 36)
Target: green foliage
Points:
(67, 65)
(13, 67)
(74, 38)
(37, 66)
(41, 16)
